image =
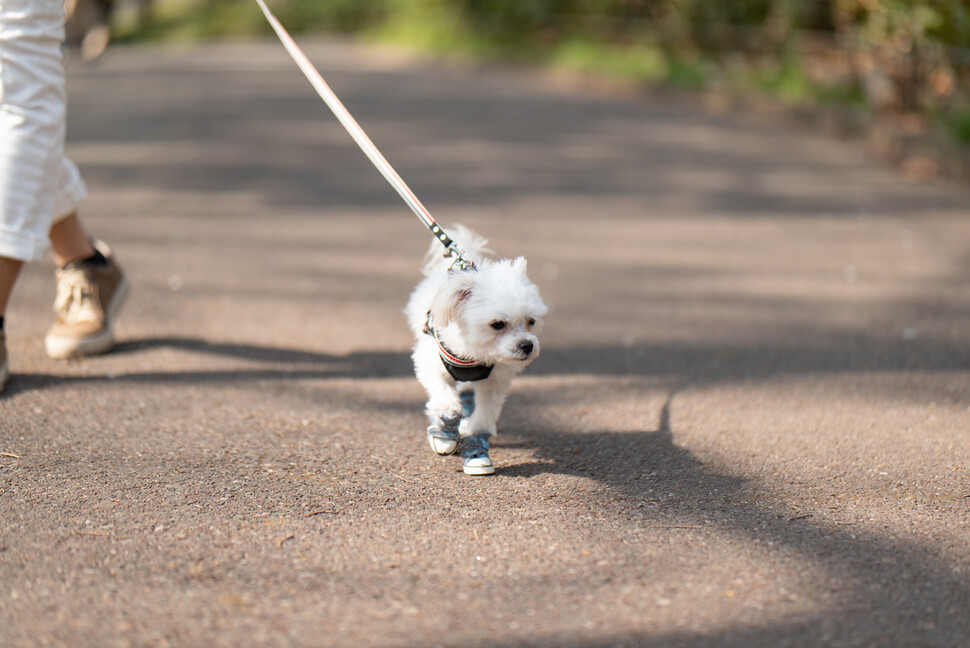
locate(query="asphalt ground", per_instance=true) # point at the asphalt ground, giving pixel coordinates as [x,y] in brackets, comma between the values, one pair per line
[749,425]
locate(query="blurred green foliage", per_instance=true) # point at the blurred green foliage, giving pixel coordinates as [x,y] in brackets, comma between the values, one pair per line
[699,24]
[892,55]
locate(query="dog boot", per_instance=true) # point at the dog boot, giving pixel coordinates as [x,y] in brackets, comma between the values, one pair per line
[474,450]
[443,434]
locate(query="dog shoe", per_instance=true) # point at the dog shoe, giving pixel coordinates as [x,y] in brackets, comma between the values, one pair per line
[443,435]
[474,450]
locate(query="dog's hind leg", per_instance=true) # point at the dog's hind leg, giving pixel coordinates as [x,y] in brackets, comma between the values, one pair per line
[488,400]
[467,398]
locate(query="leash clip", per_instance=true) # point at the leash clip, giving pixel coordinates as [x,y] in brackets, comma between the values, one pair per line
[461,264]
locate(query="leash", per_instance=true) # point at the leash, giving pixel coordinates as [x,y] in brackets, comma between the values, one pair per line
[366,145]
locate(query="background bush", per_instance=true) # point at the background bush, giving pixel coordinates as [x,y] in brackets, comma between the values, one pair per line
[909,56]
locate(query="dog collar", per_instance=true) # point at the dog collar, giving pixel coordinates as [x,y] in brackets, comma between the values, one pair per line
[459,368]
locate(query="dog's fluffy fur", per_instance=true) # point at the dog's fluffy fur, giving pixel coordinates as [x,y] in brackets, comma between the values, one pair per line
[492,315]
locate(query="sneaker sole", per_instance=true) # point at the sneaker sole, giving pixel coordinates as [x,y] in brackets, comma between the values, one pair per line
[454,448]
[478,470]
[60,348]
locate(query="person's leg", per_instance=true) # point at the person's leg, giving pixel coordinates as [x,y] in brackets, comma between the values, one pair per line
[32,126]
[69,241]
[9,269]
[91,288]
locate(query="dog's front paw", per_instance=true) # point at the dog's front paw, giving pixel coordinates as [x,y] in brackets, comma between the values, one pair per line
[474,451]
[443,434]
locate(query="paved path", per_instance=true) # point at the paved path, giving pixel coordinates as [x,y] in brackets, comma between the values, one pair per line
[750,425]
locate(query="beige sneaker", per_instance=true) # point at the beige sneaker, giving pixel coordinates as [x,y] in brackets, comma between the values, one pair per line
[4,361]
[89,297]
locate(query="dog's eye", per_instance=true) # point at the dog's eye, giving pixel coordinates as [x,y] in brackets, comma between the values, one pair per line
[498,325]
[531,321]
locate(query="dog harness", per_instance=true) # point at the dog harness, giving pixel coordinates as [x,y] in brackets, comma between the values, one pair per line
[459,368]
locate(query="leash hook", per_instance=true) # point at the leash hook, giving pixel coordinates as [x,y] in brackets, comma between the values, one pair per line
[461,263]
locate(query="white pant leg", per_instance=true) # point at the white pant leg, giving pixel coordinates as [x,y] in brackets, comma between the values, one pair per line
[37,181]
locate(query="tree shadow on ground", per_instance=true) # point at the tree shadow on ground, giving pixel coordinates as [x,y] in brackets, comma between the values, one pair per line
[891,592]
[271,364]
[699,363]
[458,138]
[895,592]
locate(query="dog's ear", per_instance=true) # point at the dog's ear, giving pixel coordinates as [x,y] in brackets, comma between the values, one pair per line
[447,304]
[519,264]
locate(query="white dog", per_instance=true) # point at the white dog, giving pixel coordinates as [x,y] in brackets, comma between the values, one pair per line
[474,330]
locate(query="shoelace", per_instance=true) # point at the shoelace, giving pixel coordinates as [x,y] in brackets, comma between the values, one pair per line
[76,297]
[474,446]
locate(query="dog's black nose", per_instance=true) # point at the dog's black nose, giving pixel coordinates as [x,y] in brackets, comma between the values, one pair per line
[526,347]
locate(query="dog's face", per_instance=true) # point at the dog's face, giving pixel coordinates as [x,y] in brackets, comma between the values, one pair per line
[497,312]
